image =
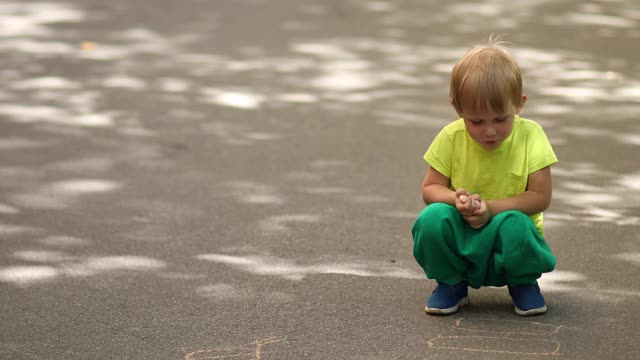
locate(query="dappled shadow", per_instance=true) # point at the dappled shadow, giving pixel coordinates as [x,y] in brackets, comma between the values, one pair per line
[178,142]
[383,71]
[57,263]
[292,270]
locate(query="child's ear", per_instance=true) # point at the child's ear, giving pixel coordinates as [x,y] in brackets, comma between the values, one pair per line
[524,100]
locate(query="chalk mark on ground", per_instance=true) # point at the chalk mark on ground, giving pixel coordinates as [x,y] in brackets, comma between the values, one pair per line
[487,344]
[250,351]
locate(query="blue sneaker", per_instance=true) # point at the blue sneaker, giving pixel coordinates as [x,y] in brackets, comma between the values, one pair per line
[527,300]
[447,299]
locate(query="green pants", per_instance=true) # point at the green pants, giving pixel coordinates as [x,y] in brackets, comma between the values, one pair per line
[509,250]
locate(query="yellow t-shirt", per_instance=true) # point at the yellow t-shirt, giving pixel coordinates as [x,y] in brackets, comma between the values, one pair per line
[494,174]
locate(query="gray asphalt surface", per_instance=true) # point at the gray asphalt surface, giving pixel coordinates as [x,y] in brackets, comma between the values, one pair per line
[237,179]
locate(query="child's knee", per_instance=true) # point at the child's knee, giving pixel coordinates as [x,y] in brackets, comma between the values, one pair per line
[432,221]
[516,226]
[518,233]
[434,215]
[514,218]
[433,231]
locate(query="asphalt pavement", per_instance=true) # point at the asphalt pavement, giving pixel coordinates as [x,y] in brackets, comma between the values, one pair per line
[237,179]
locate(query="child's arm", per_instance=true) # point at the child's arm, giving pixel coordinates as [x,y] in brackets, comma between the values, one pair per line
[535,199]
[435,189]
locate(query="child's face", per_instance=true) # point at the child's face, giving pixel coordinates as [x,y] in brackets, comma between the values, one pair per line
[489,129]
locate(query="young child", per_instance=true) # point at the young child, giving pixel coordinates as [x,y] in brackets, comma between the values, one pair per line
[488,182]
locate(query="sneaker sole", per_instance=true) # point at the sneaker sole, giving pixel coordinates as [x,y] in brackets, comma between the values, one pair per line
[436,311]
[531,312]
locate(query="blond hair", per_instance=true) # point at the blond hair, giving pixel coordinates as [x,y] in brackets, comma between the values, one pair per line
[487,78]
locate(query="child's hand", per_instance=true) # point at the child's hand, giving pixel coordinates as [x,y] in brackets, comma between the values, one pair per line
[465,204]
[480,216]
